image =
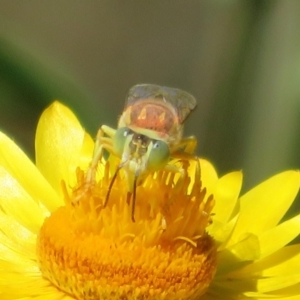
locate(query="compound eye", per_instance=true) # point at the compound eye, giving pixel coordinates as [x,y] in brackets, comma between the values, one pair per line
[119,140]
[159,155]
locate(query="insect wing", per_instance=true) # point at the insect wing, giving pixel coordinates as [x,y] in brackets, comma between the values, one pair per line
[182,101]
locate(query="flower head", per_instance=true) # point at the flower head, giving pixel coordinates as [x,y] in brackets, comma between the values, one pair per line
[193,238]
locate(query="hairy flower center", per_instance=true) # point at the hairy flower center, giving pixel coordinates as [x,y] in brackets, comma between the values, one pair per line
[99,253]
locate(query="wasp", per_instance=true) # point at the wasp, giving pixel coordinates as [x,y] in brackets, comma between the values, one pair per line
[148,137]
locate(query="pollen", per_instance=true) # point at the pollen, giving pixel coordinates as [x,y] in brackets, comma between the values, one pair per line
[91,252]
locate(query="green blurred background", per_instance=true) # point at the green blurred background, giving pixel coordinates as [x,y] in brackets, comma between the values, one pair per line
[240,59]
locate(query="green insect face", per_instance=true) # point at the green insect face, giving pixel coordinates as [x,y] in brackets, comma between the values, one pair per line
[158,156]
[119,140]
[148,154]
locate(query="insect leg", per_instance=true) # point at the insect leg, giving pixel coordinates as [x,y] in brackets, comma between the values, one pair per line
[186,145]
[185,151]
[102,142]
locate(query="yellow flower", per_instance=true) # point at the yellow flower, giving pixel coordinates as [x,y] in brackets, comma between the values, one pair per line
[192,239]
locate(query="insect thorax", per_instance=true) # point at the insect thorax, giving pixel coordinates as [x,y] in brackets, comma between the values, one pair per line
[153,118]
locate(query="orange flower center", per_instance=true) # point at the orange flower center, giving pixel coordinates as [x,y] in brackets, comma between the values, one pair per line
[92,252]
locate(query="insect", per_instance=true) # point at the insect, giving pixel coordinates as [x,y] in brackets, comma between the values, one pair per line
[149,136]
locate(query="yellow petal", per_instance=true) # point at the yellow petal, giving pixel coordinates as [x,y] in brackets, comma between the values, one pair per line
[16,202]
[16,237]
[16,262]
[260,296]
[221,232]
[246,249]
[60,140]
[234,258]
[276,283]
[286,261]
[209,175]
[226,193]
[13,159]
[279,236]
[86,152]
[28,287]
[264,206]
